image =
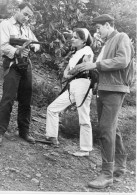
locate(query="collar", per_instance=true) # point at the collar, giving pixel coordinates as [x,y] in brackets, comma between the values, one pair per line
[111,35]
[13,21]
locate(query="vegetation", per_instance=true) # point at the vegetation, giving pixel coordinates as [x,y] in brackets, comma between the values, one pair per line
[54,17]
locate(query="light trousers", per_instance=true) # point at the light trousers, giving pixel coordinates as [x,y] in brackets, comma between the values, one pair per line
[78,89]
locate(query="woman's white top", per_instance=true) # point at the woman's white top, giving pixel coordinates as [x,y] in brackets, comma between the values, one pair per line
[78,55]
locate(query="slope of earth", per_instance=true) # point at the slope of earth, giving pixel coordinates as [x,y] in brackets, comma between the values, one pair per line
[40,167]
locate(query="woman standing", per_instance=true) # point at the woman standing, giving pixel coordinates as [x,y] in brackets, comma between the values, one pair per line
[78,88]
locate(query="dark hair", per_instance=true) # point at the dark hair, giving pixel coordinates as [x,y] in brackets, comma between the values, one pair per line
[23,5]
[81,34]
[112,23]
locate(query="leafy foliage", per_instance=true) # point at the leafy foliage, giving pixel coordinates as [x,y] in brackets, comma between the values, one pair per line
[59,16]
[54,17]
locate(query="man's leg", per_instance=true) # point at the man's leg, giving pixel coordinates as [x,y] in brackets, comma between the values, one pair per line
[112,102]
[99,113]
[24,105]
[120,155]
[10,87]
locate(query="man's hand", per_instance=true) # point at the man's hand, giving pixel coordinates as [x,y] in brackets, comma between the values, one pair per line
[22,51]
[86,66]
[25,53]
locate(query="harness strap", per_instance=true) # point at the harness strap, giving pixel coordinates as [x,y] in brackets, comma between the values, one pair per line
[86,94]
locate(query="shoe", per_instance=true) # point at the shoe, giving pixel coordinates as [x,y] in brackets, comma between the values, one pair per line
[1,139]
[52,140]
[118,172]
[120,165]
[101,182]
[28,138]
[81,153]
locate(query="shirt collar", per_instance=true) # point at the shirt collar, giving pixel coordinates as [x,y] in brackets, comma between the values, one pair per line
[112,35]
[13,21]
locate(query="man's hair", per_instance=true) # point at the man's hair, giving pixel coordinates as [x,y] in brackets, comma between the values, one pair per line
[23,5]
[112,23]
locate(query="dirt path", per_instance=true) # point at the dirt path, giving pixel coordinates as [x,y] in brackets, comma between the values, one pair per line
[39,167]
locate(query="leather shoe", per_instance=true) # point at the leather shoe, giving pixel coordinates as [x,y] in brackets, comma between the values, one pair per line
[81,153]
[1,138]
[101,182]
[28,138]
[118,172]
[52,140]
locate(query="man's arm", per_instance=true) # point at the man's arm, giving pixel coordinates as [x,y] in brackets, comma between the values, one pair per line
[85,66]
[121,59]
[5,47]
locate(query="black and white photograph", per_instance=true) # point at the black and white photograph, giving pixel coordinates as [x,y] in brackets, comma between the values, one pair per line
[68,97]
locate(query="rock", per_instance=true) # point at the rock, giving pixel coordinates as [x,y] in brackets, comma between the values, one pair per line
[38,175]
[93,166]
[132,188]
[34,180]
[117,180]
[132,172]
[45,147]
[14,170]
[54,153]
[127,188]
[27,175]
[85,189]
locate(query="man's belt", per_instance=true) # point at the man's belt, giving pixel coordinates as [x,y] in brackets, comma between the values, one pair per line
[21,65]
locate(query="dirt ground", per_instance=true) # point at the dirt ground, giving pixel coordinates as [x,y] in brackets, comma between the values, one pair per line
[44,168]
[40,167]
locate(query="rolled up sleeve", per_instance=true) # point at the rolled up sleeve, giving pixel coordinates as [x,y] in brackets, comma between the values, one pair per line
[6,48]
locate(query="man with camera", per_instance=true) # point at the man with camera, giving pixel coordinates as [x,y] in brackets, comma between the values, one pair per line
[17,83]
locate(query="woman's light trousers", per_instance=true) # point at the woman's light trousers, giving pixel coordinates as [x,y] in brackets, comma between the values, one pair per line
[78,89]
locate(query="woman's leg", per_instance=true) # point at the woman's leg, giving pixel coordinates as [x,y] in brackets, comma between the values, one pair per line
[86,140]
[53,110]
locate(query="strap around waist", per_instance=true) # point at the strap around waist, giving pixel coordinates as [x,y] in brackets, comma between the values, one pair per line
[82,75]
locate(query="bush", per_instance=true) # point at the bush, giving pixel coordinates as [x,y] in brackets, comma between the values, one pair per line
[130,98]
[69,122]
[43,92]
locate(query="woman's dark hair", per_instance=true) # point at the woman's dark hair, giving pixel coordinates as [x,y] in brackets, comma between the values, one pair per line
[23,5]
[81,34]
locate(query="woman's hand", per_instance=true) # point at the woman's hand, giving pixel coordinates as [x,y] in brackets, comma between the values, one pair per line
[74,71]
[67,75]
